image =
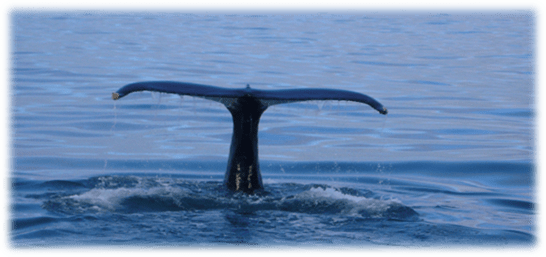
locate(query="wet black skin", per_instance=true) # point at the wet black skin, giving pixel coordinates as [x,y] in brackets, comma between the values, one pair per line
[243,169]
[246,107]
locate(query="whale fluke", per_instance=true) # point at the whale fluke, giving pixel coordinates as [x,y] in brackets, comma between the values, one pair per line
[246,107]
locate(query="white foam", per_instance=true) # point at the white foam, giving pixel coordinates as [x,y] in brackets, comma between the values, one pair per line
[332,193]
[355,205]
[110,199]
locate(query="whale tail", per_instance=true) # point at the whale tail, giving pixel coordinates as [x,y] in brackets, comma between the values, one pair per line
[246,107]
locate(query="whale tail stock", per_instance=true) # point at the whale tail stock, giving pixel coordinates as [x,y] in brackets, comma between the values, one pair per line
[246,107]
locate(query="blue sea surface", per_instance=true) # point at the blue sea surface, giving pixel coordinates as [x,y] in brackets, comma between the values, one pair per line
[452,164]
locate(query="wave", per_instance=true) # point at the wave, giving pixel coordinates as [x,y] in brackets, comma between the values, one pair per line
[130,194]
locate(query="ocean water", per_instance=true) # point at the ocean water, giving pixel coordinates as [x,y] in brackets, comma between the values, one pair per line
[452,164]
